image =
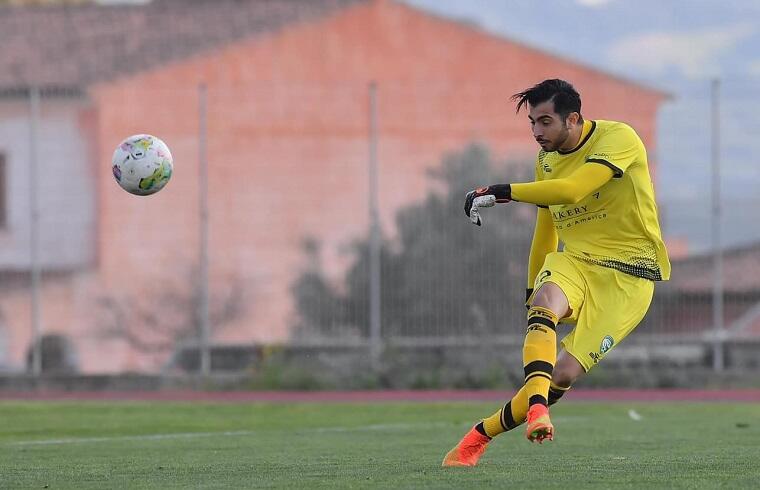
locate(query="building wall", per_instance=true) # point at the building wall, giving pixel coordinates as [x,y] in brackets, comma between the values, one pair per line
[65,186]
[287,145]
[66,191]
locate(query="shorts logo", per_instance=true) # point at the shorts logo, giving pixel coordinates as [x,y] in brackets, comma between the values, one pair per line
[607,343]
[543,276]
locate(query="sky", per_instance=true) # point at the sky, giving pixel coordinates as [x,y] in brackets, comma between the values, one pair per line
[678,46]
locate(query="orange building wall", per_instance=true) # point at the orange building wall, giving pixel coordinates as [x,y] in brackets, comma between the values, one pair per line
[287,127]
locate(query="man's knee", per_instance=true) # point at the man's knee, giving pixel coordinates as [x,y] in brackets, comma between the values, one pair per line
[552,297]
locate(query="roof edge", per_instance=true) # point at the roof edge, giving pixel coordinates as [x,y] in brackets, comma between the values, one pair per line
[47,91]
[748,248]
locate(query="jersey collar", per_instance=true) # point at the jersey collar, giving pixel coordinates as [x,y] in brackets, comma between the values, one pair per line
[588,130]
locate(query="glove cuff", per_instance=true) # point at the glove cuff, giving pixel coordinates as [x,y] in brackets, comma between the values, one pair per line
[503,192]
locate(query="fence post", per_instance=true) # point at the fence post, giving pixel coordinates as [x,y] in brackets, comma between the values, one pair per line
[717,247]
[34,232]
[375,334]
[203,306]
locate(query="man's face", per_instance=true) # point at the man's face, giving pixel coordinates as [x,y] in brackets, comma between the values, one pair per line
[549,129]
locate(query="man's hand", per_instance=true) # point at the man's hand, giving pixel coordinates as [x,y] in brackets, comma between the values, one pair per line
[485,197]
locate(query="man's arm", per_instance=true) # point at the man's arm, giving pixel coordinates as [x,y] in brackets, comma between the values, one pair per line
[545,241]
[568,190]
[610,157]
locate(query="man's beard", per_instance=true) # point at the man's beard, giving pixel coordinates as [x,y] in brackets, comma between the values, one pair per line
[561,139]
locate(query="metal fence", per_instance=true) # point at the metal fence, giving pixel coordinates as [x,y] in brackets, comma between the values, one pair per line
[308,214]
[314,229]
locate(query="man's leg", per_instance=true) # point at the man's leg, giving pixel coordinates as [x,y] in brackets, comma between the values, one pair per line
[539,357]
[566,372]
[473,445]
[548,303]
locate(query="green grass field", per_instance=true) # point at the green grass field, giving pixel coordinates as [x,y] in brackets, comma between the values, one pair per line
[386,445]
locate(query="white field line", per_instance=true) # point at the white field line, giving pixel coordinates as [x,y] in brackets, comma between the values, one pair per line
[242,433]
[143,437]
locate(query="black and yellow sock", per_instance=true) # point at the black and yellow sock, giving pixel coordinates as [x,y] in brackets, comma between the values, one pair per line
[514,412]
[539,357]
[556,392]
[539,353]
[507,417]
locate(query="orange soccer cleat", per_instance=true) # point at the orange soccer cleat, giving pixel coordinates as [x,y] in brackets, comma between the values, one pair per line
[468,451]
[539,425]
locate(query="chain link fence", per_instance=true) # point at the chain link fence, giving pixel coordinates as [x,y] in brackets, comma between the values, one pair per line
[333,227]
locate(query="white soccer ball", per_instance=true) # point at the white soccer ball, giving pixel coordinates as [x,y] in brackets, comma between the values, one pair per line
[142,164]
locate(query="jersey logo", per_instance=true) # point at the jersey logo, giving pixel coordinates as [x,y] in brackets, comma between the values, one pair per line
[601,156]
[543,163]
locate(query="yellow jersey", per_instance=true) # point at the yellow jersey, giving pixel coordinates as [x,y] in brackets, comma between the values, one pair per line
[615,226]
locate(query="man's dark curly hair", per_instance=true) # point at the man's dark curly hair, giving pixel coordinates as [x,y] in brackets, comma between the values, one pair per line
[566,99]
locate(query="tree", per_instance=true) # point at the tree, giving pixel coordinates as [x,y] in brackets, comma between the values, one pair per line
[161,320]
[441,275]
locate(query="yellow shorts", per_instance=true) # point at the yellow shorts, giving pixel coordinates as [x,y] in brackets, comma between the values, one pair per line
[606,304]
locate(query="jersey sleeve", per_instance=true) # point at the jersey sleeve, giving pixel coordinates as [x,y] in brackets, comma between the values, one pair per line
[566,190]
[617,149]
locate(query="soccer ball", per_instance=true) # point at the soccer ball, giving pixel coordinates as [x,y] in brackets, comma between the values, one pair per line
[142,164]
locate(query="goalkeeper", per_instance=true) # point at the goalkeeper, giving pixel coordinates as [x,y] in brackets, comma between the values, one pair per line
[594,194]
